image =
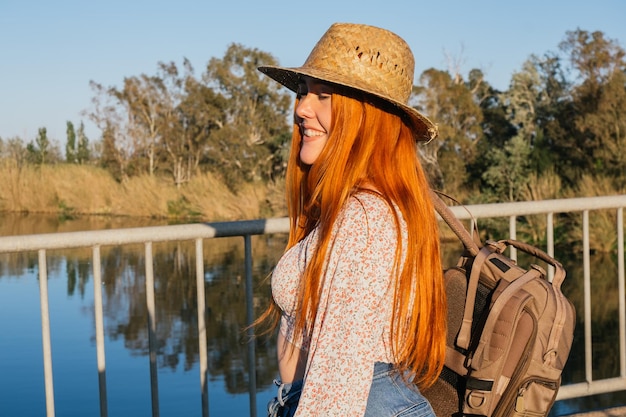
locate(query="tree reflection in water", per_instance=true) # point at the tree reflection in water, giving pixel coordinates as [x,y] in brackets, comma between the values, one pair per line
[126,313]
[125,307]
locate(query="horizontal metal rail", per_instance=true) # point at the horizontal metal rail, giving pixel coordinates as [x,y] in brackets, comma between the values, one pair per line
[126,236]
[200,231]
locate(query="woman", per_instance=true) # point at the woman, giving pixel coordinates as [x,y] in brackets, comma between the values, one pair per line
[358,295]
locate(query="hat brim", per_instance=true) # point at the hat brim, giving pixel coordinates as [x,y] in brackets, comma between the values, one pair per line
[425,130]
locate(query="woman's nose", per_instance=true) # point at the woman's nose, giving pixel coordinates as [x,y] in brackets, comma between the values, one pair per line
[303,110]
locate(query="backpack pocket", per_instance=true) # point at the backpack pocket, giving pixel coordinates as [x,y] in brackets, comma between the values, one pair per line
[534,398]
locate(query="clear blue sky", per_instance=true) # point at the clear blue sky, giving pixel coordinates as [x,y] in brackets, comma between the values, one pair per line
[50,50]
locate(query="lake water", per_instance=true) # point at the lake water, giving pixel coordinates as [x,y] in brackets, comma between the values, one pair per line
[70,289]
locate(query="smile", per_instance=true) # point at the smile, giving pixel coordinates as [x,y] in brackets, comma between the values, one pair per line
[312,133]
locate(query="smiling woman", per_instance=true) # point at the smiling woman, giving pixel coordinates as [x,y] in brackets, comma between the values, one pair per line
[359,328]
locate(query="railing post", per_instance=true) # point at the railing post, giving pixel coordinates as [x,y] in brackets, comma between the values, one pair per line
[587,298]
[97,307]
[154,381]
[202,340]
[550,242]
[250,331]
[513,235]
[621,291]
[45,333]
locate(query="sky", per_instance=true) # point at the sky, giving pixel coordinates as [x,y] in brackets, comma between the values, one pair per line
[51,50]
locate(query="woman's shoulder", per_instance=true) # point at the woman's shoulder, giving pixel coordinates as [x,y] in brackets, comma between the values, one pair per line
[368,207]
[368,202]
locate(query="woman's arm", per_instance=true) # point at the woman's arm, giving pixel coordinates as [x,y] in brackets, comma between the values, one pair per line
[291,360]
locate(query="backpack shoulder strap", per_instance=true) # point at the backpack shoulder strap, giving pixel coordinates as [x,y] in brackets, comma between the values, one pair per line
[480,255]
[455,224]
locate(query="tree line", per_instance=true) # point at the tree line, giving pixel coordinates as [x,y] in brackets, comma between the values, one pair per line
[562,118]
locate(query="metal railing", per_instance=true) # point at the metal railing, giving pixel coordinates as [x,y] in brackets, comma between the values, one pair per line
[198,232]
[146,235]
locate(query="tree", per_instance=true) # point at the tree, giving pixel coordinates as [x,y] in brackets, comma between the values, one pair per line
[14,156]
[523,102]
[551,115]
[256,115]
[163,119]
[509,169]
[608,124]
[495,125]
[149,104]
[597,102]
[118,145]
[135,117]
[451,103]
[535,105]
[575,134]
[39,150]
[199,112]
[14,152]
[70,146]
[593,56]
[82,152]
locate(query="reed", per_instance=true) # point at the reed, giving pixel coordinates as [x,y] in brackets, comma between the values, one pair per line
[68,190]
[602,236]
[540,187]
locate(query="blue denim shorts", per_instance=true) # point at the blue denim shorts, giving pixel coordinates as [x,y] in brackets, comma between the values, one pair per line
[389,396]
[286,400]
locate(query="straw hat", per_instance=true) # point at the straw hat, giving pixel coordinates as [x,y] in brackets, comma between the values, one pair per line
[366,58]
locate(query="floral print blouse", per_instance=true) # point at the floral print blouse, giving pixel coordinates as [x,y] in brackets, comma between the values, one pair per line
[352,326]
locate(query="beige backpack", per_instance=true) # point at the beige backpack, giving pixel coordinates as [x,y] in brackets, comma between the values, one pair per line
[510,331]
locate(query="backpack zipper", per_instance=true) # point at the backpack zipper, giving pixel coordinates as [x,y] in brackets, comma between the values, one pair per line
[506,401]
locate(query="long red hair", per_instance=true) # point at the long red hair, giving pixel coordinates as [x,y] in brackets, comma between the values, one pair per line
[371,148]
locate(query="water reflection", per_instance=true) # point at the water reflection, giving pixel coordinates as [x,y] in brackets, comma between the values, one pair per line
[126,314]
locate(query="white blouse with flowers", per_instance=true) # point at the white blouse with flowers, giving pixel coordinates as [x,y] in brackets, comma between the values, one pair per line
[352,326]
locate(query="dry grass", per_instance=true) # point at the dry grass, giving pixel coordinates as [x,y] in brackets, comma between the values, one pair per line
[602,234]
[545,187]
[75,189]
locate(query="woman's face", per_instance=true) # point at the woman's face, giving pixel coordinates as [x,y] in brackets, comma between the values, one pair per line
[313,115]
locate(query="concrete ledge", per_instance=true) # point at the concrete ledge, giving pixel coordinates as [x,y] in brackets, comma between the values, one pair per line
[609,412]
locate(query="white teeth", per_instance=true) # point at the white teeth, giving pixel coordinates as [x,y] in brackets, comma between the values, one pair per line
[310,132]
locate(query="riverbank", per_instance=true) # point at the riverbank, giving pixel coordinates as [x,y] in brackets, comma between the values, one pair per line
[69,190]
